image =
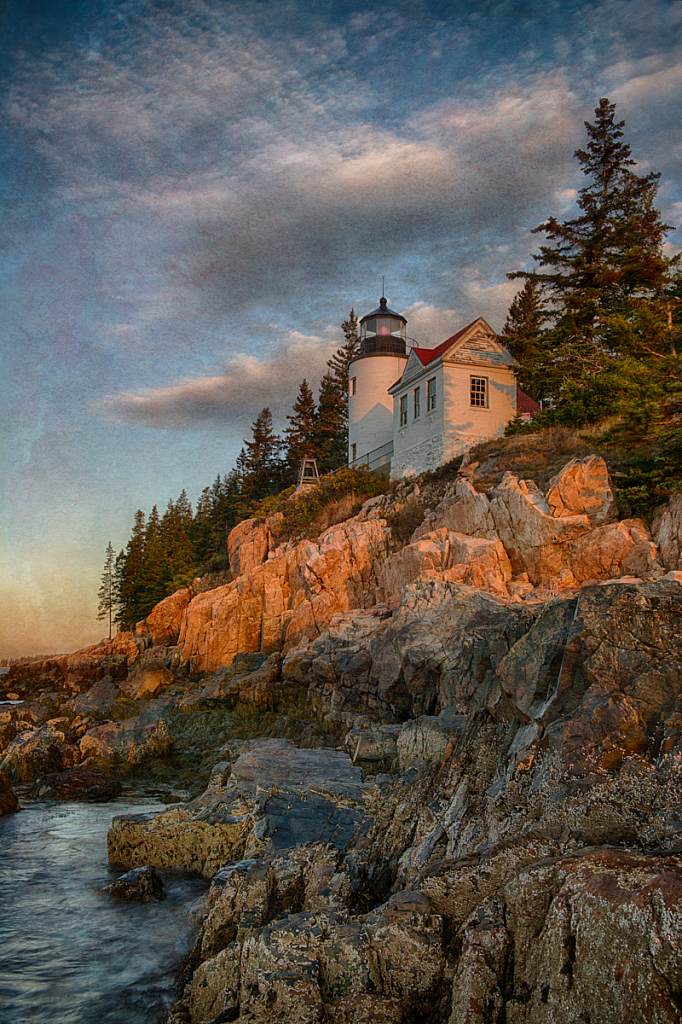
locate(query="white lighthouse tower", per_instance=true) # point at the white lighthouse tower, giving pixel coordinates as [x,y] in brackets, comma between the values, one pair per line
[380,364]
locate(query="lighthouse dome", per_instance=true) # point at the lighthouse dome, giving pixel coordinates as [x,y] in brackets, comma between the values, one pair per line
[382,331]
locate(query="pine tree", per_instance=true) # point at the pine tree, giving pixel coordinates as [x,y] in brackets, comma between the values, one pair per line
[107,590]
[299,436]
[331,432]
[338,364]
[604,277]
[262,468]
[522,334]
[132,564]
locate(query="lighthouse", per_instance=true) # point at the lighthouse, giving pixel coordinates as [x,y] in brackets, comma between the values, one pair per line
[379,365]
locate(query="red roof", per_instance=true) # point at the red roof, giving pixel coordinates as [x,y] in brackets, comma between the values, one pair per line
[524,403]
[427,355]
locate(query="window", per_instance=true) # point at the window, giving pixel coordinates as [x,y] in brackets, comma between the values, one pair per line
[431,394]
[352,385]
[479,392]
[403,411]
[415,394]
[353,450]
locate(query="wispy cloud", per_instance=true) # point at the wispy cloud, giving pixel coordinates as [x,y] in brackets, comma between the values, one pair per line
[234,397]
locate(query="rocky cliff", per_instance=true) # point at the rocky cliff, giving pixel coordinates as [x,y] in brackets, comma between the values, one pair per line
[496,835]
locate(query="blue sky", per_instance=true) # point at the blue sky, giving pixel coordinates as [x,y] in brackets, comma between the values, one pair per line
[195,193]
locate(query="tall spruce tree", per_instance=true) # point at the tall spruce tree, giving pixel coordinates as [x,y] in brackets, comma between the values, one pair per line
[604,276]
[331,431]
[107,592]
[299,436]
[262,466]
[130,573]
[522,334]
[338,364]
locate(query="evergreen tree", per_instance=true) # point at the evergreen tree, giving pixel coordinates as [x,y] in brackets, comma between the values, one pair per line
[131,568]
[107,590]
[338,364]
[604,278]
[260,462]
[331,433]
[522,334]
[153,575]
[300,434]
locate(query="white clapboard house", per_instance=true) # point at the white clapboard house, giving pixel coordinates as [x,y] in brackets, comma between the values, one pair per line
[415,408]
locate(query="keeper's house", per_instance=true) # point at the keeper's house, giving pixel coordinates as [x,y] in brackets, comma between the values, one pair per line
[416,408]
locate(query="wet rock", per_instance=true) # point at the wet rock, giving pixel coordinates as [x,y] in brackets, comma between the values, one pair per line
[97,700]
[134,740]
[78,784]
[8,801]
[38,752]
[276,797]
[140,885]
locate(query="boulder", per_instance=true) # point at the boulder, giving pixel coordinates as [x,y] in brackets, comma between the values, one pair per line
[463,510]
[134,740]
[475,561]
[37,752]
[534,540]
[617,549]
[583,487]
[8,801]
[147,682]
[78,784]
[428,739]
[277,796]
[374,747]
[97,700]
[165,619]
[140,885]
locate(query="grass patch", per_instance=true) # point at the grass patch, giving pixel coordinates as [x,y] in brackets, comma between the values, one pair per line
[339,496]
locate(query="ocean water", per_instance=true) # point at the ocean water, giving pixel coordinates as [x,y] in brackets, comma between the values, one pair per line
[68,953]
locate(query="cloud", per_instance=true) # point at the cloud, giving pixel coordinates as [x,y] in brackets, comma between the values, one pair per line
[235,397]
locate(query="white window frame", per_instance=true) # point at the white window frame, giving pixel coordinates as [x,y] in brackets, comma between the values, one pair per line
[403,410]
[352,385]
[476,392]
[431,394]
[415,403]
[353,453]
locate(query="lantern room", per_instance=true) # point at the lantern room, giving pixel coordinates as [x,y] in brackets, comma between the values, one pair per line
[382,331]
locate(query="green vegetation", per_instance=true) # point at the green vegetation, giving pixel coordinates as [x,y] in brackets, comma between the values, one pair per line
[596,327]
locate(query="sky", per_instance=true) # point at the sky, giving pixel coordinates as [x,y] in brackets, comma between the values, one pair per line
[195,193]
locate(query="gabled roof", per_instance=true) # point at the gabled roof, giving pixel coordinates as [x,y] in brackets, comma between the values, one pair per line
[475,344]
[427,355]
[524,403]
